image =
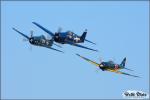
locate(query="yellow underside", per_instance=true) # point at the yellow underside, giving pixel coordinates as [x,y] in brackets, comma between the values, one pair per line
[112,70]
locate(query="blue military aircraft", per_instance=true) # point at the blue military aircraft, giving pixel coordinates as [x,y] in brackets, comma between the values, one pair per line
[67,37]
[39,40]
[110,66]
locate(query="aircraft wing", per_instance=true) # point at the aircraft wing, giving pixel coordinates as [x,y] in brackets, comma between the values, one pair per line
[55,49]
[46,30]
[21,33]
[80,46]
[88,60]
[119,72]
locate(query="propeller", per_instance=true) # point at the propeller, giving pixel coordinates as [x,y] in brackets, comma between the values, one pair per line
[24,40]
[101,60]
[97,70]
[30,47]
[31,33]
[49,37]
[86,30]
[59,29]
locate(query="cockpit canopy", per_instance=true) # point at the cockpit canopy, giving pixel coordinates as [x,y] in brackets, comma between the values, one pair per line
[39,37]
[111,62]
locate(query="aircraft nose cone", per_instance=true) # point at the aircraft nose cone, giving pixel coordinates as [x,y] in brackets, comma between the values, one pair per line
[30,40]
[101,65]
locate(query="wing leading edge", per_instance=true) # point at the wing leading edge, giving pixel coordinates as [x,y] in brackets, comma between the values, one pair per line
[46,30]
[96,64]
[20,33]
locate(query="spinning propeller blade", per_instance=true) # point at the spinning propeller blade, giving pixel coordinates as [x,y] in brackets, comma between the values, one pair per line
[31,33]
[101,60]
[30,47]
[49,37]
[24,39]
[59,29]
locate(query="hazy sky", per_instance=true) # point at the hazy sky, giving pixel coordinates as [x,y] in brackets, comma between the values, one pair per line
[120,29]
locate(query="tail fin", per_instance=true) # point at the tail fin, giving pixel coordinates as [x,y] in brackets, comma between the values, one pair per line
[123,62]
[82,38]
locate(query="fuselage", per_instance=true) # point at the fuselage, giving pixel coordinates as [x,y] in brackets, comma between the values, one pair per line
[65,37]
[40,41]
[110,66]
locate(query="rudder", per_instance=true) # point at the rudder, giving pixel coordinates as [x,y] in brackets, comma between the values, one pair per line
[123,62]
[82,38]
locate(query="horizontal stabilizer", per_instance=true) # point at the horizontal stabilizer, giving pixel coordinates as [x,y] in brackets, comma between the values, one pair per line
[90,41]
[129,69]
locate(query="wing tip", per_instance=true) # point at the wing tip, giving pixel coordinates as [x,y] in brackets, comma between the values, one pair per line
[34,22]
[14,28]
[97,50]
[138,76]
[77,54]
